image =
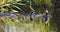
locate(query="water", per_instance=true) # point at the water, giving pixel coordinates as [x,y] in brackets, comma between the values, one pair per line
[17,14]
[9,29]
[17,28]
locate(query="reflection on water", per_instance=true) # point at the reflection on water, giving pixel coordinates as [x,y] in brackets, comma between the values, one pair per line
[26,28]
[23,24]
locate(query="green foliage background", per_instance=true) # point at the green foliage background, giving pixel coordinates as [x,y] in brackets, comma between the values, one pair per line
[26,6]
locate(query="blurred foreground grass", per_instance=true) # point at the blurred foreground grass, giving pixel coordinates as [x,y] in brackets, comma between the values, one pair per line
[37,25]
